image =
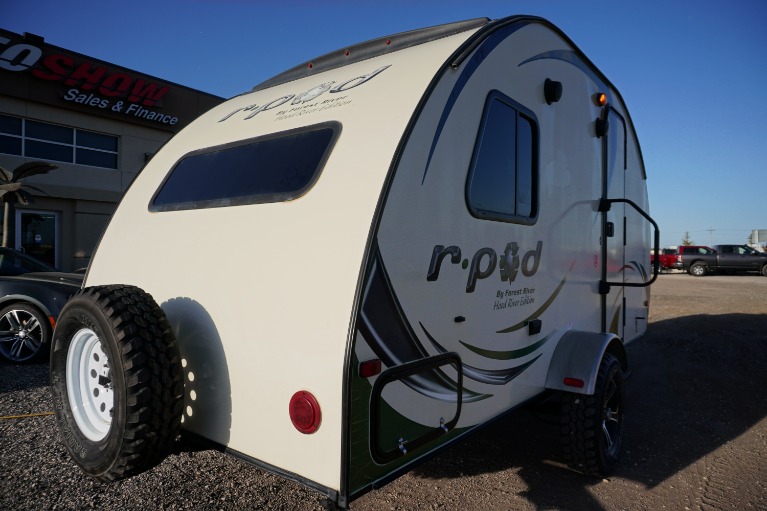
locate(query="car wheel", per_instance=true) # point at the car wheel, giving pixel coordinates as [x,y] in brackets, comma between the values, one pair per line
[116,380]
[592,425]
[698,270]
[25,333]
[764,270]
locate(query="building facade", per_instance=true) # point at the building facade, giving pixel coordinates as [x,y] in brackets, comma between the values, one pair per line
[97,122]
[758,239]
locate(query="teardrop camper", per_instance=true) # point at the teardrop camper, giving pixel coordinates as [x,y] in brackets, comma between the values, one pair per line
[365,259]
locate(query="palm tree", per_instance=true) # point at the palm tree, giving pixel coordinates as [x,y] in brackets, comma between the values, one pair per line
[12,189]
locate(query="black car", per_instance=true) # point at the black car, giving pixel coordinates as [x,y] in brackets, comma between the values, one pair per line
[31,295]
[13,262]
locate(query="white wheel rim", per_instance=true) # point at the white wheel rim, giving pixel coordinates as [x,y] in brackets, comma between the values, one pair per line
[89,385]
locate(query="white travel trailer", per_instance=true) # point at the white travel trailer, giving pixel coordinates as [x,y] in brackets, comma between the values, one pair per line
[365,259]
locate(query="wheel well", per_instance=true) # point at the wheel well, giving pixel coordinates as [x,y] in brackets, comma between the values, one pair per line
[617,349]
[24,301]
[578,356]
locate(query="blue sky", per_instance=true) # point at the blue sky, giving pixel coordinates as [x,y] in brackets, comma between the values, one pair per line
[693,73]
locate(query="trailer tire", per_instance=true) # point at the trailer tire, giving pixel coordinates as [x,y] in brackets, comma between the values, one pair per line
[698,269]
[592,425]
[116,380]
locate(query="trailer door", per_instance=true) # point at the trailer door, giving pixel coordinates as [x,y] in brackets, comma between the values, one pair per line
[612,129]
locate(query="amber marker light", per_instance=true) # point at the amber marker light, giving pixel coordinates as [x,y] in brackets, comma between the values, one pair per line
[600,98]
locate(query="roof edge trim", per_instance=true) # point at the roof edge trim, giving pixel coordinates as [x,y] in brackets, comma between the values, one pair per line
[370,49]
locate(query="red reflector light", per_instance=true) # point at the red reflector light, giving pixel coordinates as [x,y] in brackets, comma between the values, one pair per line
[305,412]
[574,382]
[370,368]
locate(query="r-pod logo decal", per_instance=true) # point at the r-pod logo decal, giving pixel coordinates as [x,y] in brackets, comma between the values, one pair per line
[484,262]
[307,96]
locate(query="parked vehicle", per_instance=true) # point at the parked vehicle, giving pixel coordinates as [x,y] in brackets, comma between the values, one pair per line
[725,258]
[13,262]
[437,227]
[692,251]
[666,258]
[29,306]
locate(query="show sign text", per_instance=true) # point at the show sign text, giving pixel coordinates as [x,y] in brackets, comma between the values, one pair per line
[90,84]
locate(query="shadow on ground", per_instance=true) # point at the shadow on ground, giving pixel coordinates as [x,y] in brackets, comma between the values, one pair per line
[697,383]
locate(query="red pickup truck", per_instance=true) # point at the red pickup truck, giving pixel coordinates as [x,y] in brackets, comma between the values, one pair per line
[666,258]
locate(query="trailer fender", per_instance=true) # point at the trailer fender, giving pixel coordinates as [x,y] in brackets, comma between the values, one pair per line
[575,363]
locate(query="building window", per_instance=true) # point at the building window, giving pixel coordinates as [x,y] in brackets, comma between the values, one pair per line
[10,135]
[275,168]
[35,139]
[503,177]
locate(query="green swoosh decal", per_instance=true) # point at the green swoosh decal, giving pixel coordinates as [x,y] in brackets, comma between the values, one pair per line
[508,355]
[540,311]
[641,269]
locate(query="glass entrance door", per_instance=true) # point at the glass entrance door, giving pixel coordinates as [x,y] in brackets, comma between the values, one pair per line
[37,234]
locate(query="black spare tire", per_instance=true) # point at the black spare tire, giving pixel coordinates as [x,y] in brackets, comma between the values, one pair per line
[116,380]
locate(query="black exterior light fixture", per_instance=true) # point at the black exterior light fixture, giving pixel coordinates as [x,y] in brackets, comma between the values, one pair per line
[552,91]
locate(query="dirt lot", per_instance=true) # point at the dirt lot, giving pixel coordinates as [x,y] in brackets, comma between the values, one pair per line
[696,435]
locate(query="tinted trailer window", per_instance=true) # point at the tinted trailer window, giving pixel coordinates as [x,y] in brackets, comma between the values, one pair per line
[275,168]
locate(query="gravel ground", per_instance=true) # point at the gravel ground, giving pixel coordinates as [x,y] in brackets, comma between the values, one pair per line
[696,435]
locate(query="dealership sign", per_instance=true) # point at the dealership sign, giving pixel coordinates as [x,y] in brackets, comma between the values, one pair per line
[50,74]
